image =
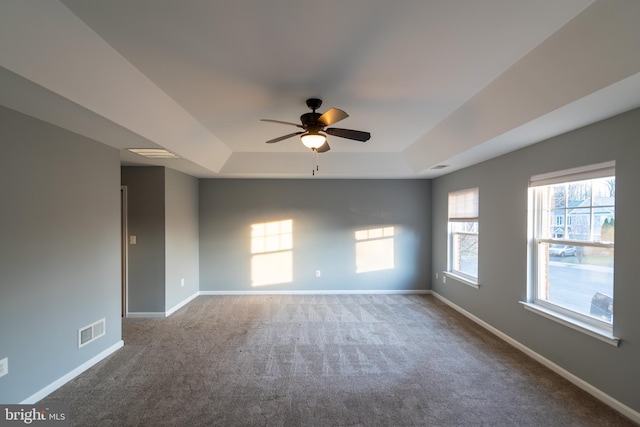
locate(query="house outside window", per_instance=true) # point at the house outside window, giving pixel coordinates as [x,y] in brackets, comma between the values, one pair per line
[463,235]
[572,227]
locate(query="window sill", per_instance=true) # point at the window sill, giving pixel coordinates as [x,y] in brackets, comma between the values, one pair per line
[585,328]
[462,279]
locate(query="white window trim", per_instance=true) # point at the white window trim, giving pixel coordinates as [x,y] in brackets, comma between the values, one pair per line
[460,210]
[457,274]
[573,323]
[549,310]
[467,280]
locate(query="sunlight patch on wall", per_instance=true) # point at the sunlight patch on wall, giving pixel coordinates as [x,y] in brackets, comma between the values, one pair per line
[374,249]
[272,260]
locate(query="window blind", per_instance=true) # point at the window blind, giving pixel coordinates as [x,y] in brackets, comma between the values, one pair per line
[599,170]
[463,205]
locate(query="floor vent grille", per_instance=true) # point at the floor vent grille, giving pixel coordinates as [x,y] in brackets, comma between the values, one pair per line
[91,332]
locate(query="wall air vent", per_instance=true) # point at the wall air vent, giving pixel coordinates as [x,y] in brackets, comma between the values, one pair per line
[91,332]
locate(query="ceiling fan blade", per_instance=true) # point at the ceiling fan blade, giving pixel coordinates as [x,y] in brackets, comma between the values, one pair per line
[324,147]
[271,141]
[349,134]
[331,116]
[281,122]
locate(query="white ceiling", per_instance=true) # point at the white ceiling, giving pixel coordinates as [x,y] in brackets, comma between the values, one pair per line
[435,82]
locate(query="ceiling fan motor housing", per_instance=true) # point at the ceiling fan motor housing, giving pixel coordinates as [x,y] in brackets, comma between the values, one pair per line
[310,121]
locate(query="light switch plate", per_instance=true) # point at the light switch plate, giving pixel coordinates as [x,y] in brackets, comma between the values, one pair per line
[4,367]
[133,240]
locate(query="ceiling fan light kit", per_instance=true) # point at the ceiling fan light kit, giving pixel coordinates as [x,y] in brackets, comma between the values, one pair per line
[313,140]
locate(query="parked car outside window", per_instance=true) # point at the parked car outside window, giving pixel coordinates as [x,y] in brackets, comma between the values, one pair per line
[562,250]
[602,306]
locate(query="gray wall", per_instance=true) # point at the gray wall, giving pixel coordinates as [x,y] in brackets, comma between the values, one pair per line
[146,221]
[503,184]
[325,214]
[162,207]
[182,248]
[59,252]
[60,268]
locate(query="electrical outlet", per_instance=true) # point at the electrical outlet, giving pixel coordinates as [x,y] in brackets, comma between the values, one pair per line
[436,276]
[181,282]
[317,273]
[4,367]
[444,279]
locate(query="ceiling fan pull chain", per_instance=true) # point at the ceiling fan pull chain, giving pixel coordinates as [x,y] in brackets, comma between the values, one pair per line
[313,170]
[314,158]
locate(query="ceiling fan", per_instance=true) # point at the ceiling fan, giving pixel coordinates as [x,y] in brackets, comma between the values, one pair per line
[314,134]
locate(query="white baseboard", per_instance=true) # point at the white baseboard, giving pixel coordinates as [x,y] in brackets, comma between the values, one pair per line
[181,304]
[595,392]
[322,292]
[39,395]
[146,314]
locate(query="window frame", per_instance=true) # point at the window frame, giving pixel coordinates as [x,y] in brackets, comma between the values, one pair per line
[590,325]
[466,213]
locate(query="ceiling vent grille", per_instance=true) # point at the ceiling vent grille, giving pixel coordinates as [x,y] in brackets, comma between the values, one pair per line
[91,332]
[440,167]
[154,153]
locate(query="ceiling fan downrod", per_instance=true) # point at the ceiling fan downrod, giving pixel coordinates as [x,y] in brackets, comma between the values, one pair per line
[314,103]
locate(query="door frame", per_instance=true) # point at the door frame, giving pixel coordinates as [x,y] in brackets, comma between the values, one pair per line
[124,253]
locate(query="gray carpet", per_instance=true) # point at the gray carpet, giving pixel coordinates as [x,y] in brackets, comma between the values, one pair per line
[339,360]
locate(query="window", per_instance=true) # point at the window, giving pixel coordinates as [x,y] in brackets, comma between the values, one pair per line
[463,236]
[272,259]
[572,224]
[374,249]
